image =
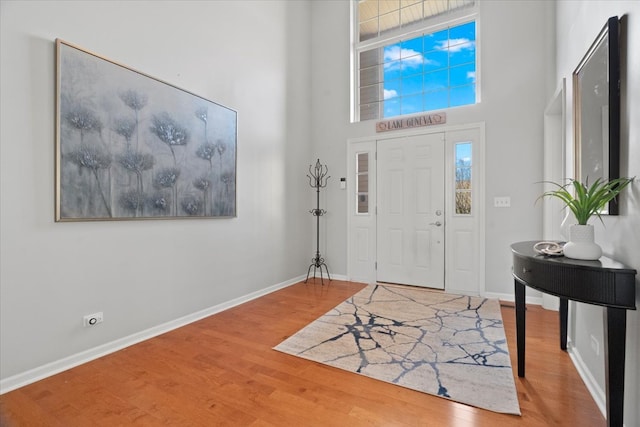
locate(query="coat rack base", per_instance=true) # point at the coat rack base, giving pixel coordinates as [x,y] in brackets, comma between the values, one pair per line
[317,263]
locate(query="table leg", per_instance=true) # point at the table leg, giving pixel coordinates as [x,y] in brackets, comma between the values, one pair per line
[615,337]
[564,310]
[520,324]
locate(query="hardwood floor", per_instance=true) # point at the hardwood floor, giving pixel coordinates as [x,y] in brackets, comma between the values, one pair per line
[222,371]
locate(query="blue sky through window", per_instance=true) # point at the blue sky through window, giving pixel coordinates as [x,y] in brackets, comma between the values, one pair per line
[463,154]
[431,72]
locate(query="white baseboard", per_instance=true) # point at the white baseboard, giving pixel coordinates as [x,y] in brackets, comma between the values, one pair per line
[511,298]
[52,368]
[592,385]
[596,392]
[49,369]
[333,277]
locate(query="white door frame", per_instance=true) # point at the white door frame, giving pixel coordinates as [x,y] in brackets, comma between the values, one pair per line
[554,171]
[463,234]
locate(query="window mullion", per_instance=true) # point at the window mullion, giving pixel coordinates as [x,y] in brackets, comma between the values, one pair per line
[420,78]
[434,24]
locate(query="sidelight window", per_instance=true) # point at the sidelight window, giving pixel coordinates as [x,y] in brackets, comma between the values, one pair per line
[362,183]
[463,179]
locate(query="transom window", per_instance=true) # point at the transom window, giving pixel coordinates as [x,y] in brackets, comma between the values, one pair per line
[414,56]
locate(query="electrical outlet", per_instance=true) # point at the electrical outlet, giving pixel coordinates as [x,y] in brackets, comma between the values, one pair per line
[502,202]
[595,345]
[93,319]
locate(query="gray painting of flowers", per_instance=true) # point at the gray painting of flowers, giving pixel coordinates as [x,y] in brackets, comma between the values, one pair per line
[130,146]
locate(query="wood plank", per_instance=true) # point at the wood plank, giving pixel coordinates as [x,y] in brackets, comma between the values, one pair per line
[222,370]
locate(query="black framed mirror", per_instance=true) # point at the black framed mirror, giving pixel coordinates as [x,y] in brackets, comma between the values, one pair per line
[596,89]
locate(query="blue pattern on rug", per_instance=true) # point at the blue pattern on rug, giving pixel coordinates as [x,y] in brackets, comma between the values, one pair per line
[449,345]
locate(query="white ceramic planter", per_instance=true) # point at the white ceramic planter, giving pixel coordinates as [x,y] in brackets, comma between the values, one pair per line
[581,244]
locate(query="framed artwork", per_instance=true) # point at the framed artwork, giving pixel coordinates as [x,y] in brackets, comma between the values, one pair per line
[130,146]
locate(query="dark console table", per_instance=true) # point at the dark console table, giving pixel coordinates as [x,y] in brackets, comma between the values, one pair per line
[604,282]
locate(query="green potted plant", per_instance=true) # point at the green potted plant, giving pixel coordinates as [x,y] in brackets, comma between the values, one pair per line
[585,202]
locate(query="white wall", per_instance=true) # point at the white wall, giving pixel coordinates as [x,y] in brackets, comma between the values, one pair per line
[251,56]
[514,73]
[578,23]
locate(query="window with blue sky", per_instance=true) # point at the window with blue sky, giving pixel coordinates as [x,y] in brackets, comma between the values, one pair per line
[418,71]
[430,72]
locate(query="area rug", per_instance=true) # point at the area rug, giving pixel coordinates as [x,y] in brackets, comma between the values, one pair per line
[447,345]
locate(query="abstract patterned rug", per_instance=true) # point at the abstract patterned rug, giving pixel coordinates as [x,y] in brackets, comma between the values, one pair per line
[447,345]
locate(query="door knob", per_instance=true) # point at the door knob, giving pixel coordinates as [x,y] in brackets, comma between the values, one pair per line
[437,223]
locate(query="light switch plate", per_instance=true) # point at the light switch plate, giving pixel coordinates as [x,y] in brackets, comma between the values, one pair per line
[502,202]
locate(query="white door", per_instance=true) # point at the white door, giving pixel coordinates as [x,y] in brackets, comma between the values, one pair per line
[410,220]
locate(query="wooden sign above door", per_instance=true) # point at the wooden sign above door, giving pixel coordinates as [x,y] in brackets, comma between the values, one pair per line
[412,122]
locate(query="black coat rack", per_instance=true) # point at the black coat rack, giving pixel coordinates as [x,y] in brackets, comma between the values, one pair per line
[318,179]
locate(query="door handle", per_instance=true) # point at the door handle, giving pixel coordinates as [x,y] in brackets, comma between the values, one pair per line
[437,223]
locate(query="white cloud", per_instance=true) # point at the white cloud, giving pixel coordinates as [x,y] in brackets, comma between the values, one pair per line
[393,53]
[456,45]
[388,94]
[410,58]
[471,75]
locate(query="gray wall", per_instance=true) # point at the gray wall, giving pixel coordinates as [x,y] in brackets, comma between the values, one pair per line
[284,66]
[250,56]
[514,70]
[578,24]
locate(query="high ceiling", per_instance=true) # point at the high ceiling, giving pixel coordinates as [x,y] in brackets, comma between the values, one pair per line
[378,16]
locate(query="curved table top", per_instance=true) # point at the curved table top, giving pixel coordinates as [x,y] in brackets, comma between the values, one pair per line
[525,249]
